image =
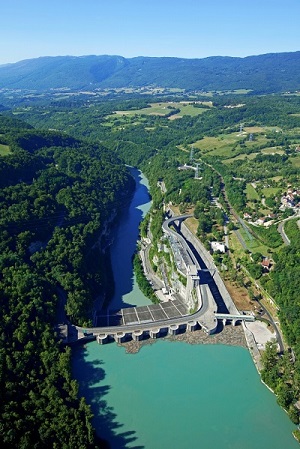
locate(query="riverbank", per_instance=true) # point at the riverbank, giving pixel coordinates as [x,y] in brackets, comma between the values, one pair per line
[230,335]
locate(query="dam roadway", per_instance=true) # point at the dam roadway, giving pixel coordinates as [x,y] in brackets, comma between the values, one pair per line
[170,316]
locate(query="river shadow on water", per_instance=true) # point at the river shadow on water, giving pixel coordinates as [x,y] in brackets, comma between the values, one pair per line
[91,377]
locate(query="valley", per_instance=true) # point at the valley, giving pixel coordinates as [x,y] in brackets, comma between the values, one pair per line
[230,159]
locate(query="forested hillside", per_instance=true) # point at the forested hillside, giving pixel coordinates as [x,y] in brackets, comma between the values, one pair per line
[264,73]
[57,195]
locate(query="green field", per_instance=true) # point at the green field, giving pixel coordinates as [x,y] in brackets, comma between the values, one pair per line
[4,150]
[226,92]
[163,109]
[225,144]
[241,91]
[254,129]
[270,191]
[251,193]
[187,109]
[295,161]
[219,146]
[276,178]
[272,150]
[240,157]
[254,245]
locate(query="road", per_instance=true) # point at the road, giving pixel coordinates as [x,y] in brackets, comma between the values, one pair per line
[277,331]
[285,238]
[280,229]
[155,281]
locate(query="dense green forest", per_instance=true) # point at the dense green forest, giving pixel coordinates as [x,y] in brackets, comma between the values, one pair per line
[57,196]
[283,374]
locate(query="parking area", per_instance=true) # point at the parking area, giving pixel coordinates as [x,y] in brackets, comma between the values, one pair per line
[261,333]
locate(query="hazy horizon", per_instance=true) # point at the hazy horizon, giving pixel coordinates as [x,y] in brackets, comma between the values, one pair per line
[171,28]
[141,56]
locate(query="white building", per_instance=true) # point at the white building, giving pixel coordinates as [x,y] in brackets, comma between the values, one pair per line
[217,246]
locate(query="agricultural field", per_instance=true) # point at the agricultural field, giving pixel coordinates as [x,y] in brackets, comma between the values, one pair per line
[295,161]
[254,129]
[163,109]
[272,150]
[253,245]
[237,244]
[218,146]
[240,91]
[270,191]
[243,145]
[225,144]
[277,178]
[189,109]
[256,198]
[4,150]
[240,157]
[225,92]
[251,193]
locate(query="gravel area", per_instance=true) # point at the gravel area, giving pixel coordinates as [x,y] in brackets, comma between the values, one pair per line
[230,335]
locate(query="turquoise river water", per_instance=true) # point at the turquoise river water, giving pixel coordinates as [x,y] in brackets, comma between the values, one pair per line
[172,394]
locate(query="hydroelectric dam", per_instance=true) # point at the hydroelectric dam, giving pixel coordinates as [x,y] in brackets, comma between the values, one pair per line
[204,292]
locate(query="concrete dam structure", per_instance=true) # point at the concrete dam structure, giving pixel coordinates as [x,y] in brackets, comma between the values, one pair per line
[205,292]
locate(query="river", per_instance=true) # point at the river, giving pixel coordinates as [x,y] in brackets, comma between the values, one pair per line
[127,293]
[172,394]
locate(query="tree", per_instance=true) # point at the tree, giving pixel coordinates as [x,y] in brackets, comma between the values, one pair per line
[269,359]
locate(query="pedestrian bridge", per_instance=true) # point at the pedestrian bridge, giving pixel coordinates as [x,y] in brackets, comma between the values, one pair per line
[234,318]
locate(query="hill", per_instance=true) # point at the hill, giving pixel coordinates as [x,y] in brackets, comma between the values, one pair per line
[274,72]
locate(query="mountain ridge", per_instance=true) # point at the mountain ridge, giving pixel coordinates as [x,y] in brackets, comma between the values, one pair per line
[271,72]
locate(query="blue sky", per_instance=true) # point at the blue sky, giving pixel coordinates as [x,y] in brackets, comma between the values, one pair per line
[183,28]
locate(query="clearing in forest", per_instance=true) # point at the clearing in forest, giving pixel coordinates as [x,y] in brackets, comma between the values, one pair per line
[163,109]
[4,150]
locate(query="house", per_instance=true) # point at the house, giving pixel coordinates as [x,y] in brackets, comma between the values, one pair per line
[268,223]
[217,246]
[260,221]
[266,264]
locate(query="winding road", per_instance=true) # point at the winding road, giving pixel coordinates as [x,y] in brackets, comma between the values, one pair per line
[280,228]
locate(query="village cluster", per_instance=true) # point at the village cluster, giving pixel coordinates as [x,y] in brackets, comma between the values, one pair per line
[289,200]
